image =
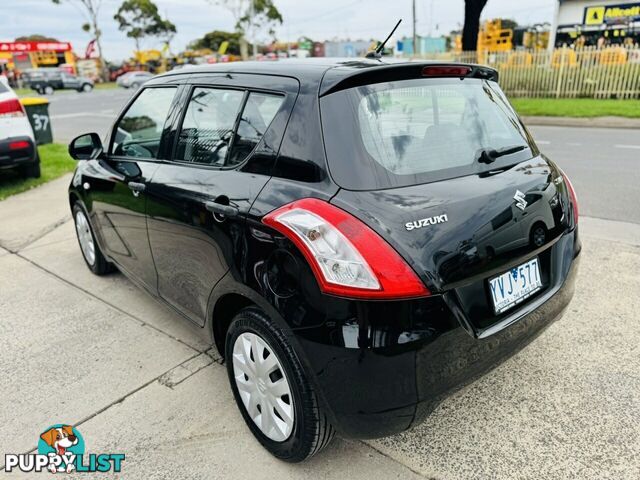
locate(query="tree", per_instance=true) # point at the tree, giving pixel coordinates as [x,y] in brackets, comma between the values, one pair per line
[213,40]
[90,9]
[140,19]
[251,15]
[472,11]
[36,38]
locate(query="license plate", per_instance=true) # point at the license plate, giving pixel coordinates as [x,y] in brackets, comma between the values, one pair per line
[514,286]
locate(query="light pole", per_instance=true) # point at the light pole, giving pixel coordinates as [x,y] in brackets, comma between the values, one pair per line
[252,13]
[415,43]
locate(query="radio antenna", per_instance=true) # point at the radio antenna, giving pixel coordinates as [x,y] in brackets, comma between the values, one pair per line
[377,53]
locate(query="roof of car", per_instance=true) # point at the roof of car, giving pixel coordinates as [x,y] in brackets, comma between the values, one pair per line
[315,69]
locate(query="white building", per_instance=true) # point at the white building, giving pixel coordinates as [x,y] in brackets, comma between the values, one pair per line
[596,21]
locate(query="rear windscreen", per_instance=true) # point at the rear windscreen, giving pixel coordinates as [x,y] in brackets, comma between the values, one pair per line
[417,131]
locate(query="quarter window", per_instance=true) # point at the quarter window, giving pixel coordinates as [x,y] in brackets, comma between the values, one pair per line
[257,114]
[139,131]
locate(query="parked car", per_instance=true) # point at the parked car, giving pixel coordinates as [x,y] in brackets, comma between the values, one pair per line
[316,221]
[133,79]
[17,143]
[48,80]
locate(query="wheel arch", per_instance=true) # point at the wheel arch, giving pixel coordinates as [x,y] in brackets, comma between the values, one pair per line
[226,307]
[230,296]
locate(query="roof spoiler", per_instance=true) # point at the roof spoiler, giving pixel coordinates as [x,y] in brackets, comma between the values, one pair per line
[336,79]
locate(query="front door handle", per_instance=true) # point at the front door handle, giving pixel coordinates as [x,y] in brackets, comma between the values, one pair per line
[220,209]
[136,188]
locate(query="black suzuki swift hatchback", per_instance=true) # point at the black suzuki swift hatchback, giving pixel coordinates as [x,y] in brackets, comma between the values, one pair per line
[358,239]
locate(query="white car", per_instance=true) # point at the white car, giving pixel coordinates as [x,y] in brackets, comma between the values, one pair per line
[133,79]
[17,142]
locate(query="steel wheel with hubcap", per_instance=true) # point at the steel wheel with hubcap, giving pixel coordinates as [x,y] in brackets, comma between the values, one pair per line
[91,253]
[263,386]
[85,238]
[270,386]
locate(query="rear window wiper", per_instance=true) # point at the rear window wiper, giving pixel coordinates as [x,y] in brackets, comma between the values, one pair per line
[489,155]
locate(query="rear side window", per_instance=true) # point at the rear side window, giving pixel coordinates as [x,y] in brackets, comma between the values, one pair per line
[416,131]
[214,133]
[208,125]
[139,131]
[3,88]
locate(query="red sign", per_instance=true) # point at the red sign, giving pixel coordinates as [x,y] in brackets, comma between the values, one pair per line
[90,48]
[35,46]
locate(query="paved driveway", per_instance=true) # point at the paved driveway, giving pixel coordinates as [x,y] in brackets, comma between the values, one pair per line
[102,355]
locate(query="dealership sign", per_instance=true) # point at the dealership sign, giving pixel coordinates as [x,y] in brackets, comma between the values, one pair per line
[35,46]
[598,15]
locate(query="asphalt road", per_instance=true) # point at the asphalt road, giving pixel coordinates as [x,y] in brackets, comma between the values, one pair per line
[74,113]
[603,164]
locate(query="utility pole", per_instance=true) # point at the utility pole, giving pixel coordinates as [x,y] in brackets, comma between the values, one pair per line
[252,14]
[415,43]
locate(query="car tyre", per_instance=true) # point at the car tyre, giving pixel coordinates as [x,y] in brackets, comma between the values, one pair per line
[135,86]
[538,235]
[87,87]
[309,430]
[96,261]
[48,90]
[31,170]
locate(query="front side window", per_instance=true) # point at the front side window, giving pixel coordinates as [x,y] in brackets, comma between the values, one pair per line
[139,131]
[208,125]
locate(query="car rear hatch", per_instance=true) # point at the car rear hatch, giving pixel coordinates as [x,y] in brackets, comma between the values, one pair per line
[442,168]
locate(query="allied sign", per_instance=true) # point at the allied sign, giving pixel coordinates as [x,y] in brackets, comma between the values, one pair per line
[601,14]
[35,46]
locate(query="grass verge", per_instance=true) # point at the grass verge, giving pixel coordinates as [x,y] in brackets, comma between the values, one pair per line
[27,92]
[54,162]
[576,107]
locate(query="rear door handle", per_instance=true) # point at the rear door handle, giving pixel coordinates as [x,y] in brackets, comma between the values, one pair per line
[136,188]
[220,209]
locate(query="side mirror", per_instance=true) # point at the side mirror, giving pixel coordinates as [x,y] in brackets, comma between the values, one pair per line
[86,147]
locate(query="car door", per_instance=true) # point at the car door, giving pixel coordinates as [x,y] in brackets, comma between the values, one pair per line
[117,187]
[70,81]
[226,143]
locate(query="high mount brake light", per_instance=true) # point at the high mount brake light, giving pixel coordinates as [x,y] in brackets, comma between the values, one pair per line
[11,108]
[347,257]
[574,197]
[446,71]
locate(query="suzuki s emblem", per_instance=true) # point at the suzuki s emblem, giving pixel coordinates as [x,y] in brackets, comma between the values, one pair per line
[521,203]
[426,221]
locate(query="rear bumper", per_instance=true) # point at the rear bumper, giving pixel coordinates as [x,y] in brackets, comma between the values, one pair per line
[11,157]
[393,368]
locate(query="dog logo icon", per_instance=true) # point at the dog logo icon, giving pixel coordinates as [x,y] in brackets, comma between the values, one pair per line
[63,441]
[61,449]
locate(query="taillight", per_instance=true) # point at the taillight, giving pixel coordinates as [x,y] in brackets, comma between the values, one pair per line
[19,145]
[574,197]
[348,259]
[11,108]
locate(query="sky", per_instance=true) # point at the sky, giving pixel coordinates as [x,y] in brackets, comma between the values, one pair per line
[318,19]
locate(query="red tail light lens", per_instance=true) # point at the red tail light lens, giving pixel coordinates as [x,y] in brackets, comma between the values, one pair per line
[19,145]
[348,259]
[11,108]
[574,197]
[446,71]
